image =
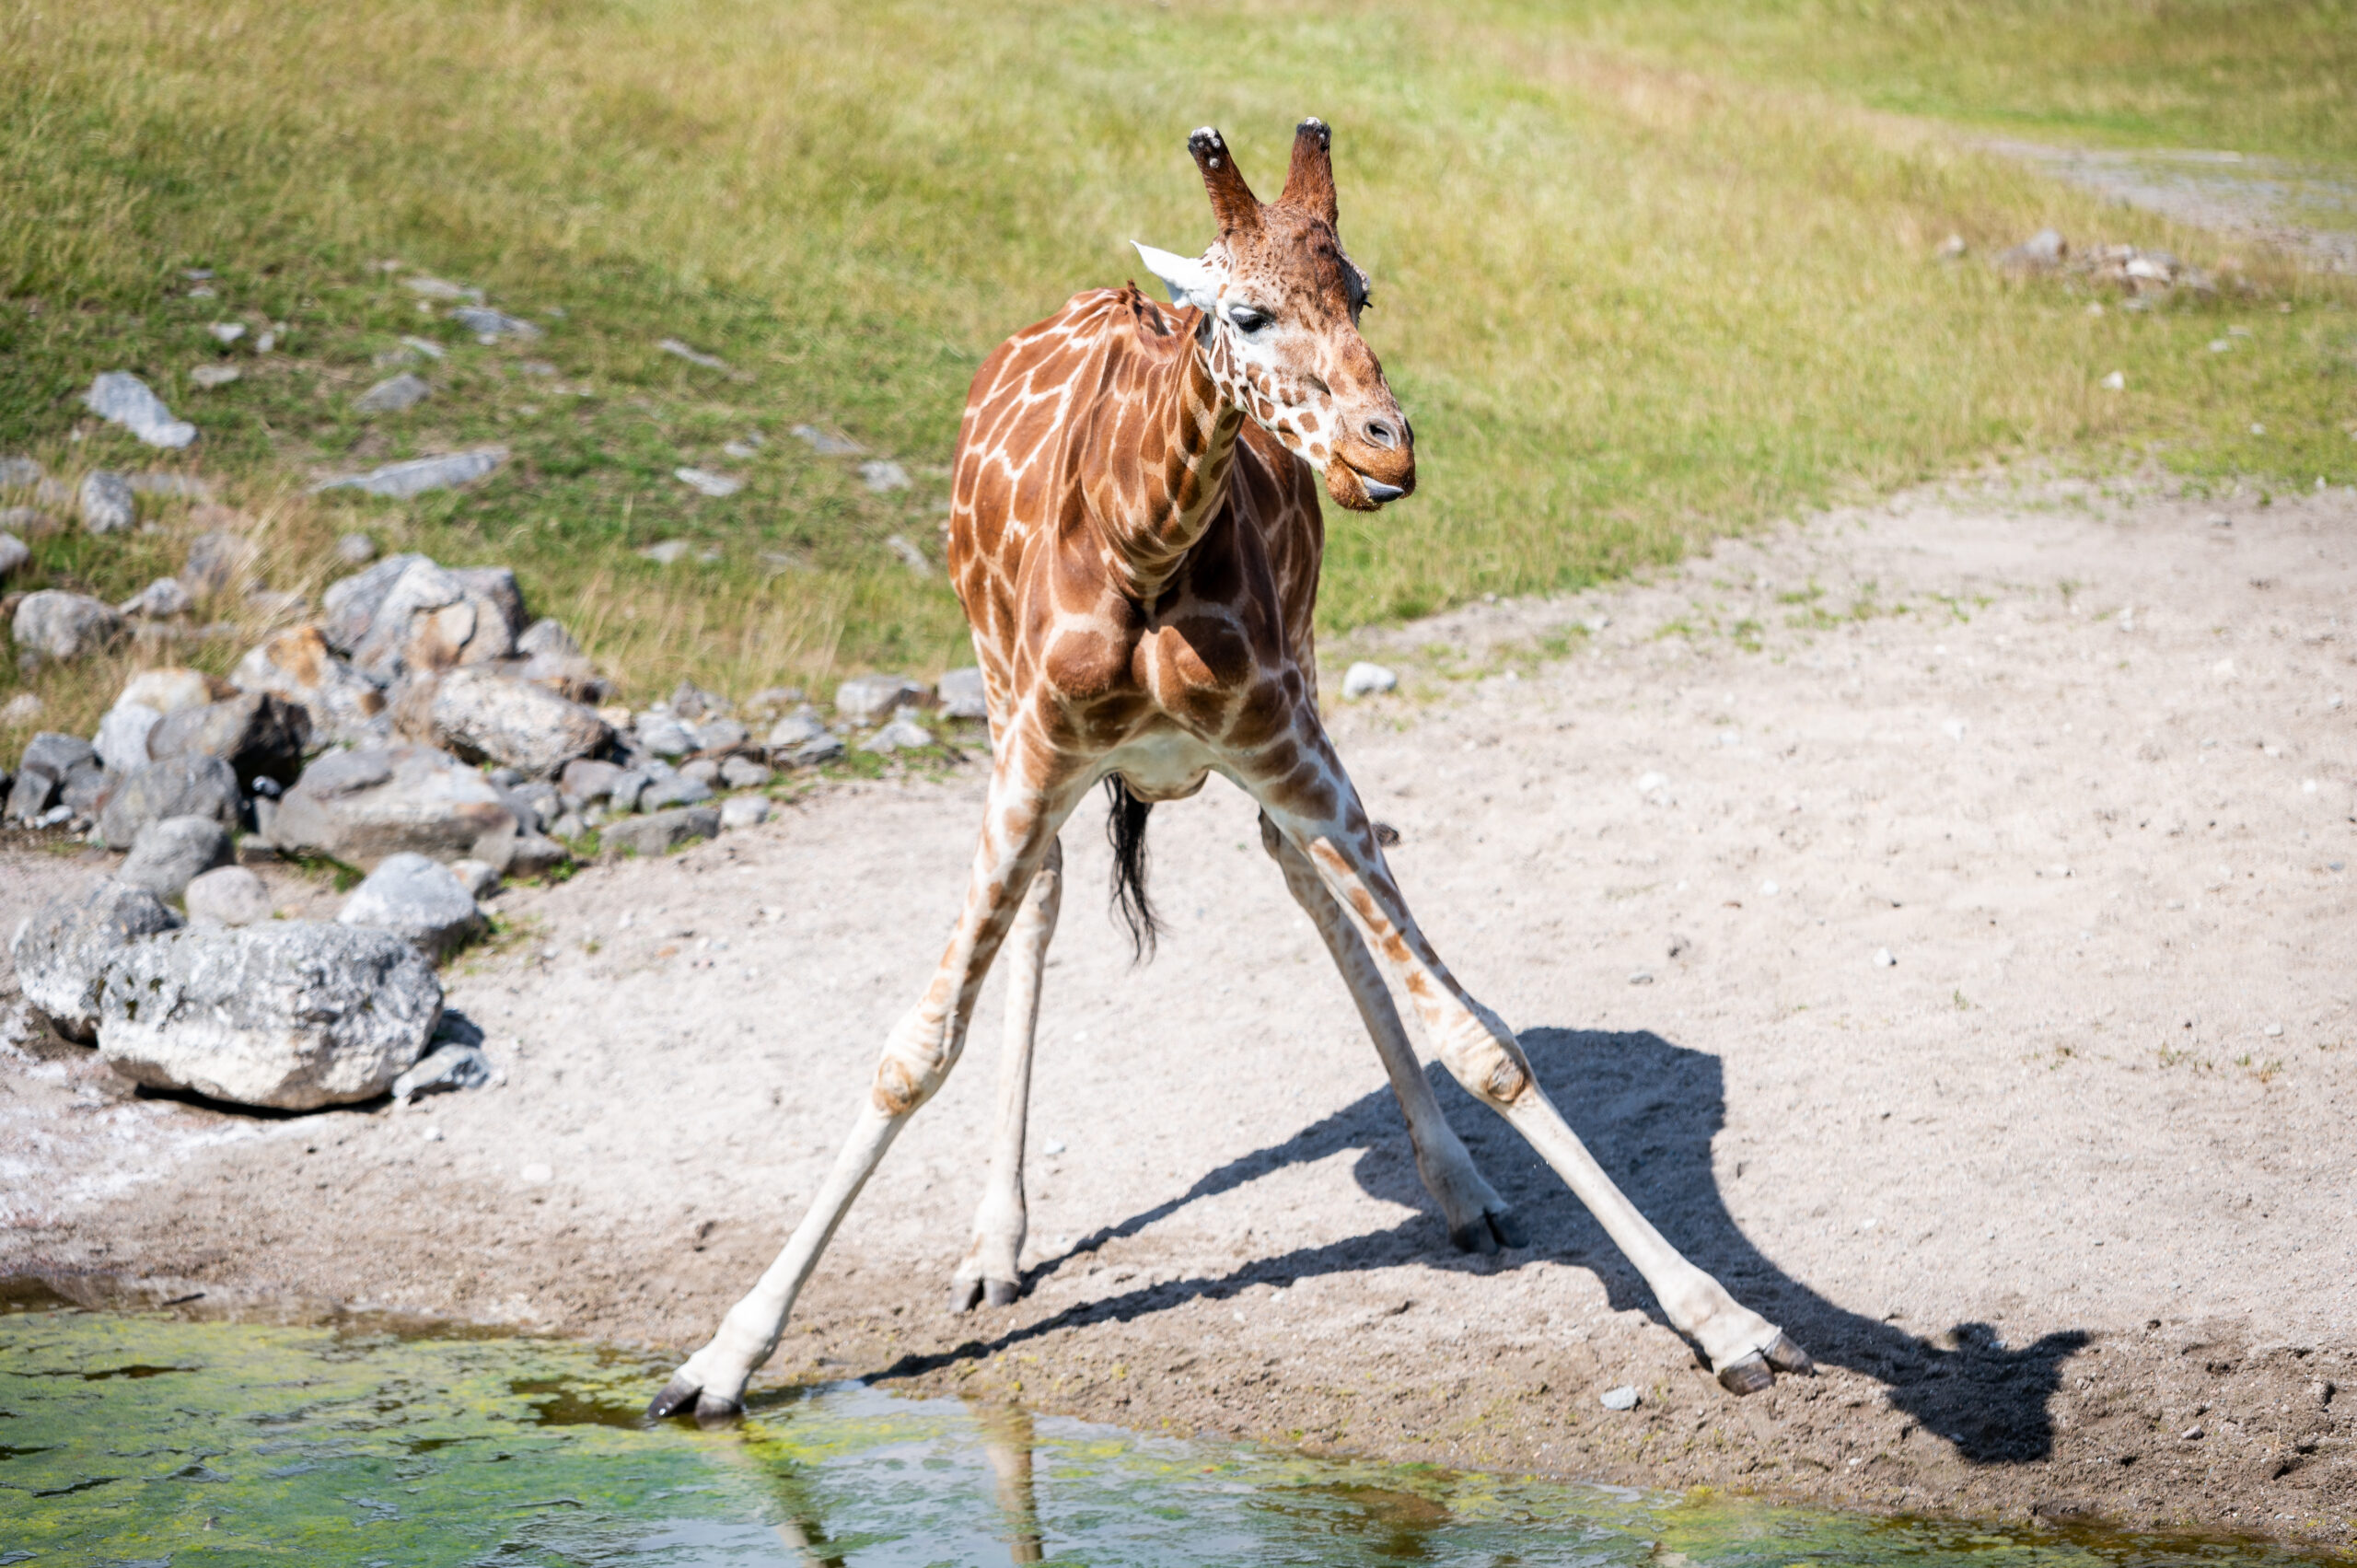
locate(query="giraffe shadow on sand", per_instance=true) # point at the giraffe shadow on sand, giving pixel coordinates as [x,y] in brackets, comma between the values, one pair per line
[1649,1111]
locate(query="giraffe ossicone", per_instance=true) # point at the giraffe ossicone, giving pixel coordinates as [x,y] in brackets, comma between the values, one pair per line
[1136,536]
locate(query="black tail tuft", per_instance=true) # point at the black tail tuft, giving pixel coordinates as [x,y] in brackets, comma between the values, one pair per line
[1125,830]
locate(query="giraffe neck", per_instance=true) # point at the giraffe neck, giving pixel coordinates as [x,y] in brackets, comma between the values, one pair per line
[1163,490]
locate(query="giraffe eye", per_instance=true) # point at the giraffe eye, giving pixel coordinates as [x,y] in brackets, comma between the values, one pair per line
[1247,319]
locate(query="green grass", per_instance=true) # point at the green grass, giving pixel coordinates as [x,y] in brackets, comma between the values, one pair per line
[1642,274]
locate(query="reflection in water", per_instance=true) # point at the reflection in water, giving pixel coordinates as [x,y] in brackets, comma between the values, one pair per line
[127,1438]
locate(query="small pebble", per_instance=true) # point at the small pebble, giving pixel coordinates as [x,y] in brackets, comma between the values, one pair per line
[1769,889]
[432,1134]
[1052,1146]
[1624,1398]
[1883,958]
[535,1174]
[1641,977]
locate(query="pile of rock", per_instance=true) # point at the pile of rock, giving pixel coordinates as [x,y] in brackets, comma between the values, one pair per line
[2138,272]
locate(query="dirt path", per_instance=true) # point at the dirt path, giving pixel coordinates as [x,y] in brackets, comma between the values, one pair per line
[2061,1196]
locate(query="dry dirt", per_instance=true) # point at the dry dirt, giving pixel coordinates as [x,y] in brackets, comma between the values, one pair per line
[2060,1197]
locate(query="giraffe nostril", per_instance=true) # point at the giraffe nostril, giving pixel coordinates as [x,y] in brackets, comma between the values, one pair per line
[1381,434]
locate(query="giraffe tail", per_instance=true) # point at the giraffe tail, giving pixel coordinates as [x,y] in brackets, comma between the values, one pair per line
[1125,831]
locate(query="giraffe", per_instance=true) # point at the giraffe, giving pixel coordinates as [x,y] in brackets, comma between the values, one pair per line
[1135,535]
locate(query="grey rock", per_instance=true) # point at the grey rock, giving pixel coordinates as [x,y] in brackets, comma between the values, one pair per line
[356,548]
[2042,251]
[486,323]
[744,812]
[170,854]
[533,804]
[693,356]
[586,781]
[260,733]
[703,482]
[408,613]
[692,705]
[771,703]
[881,476]
[399,482]
[800,740]
[168,689]
[439,288]
[536,854]
[18,473]
[703,769]
[228,895]
[547,639]
[105,501]
[14,552]
[291,1014]
[177,786]
[720,735]
[213,376]
[480,715]
[910,556]
[420,900]
[219,563]
[448,1068]
[20,710]
[55,755]
[869,699]
[660,832]
[1624,1398]
[622,795]
[365,804]
[342,704]
[159,600]
[1364,679]
[121,739]
[395,394]
[680,789]
[663,736]
[171,486]
[962,694]
[479,878]
[62,952]
[63,626]
[83,790]
[29,522]
[123,398]
[569,826]
[901,735]
[743,772]
[825,444]
[665,552]
[30,795]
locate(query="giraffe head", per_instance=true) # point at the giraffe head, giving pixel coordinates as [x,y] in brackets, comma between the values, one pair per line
[1279,329]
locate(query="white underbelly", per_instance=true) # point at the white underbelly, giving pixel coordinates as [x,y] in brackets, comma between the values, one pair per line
[1166,764]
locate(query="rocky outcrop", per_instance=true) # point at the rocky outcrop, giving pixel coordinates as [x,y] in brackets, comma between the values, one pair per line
[290,1015]
[62,951]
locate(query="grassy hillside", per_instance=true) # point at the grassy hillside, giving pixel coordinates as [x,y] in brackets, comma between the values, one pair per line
[1642,273]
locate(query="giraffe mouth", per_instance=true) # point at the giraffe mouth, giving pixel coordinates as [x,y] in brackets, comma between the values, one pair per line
[1379,492]
[1359,491]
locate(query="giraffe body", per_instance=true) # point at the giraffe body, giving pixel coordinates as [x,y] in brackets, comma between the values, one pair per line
[1135,534]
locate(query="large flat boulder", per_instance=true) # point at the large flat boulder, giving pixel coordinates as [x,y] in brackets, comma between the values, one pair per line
[418,900]
[291,1014]
[486,717]
[260,733]
[177,786]
[58,626]
[63,949]
[362,805]
[343,704]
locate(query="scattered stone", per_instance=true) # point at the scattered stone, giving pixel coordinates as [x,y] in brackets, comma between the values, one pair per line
[703,482]
[261,735]
[356,548]
[275,607]
[159,600]
[170,688]
[962,694]
[122,736]
[663,735]
[63,626]
[479,878]
[568,827]
[693,356]
[177,786]
[448,1068]
[489,325]
[825,444]
[20,710]
[1952,248]
[419,899]
[227,895]
[396,394]
[409,614]
[881,476]
[901,735]
[14,552]
[2041,252]
[2115,382]
[123,398]
[660,832]
[365,804]
[680,789]
[106,502]
[743,772]
[227,332]
[1624,1398]
[536,854]
[18,473]
[82,792]
[627,787]
[62,952]
[1883,958]
[480,716]
[743,811]
[692,702]
[344,705]
[910,556]
[173,851]
[1364,679]
[703,769]
[438,288]
[868,699]
[399,482]
[720,735]
[291,1014]
[211,378]
[29,522]
[665,552]
[219,563]
[586,780]
[800,740]
[1641,977]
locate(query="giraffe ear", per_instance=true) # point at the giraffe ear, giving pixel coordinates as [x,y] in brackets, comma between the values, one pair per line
[1187,279]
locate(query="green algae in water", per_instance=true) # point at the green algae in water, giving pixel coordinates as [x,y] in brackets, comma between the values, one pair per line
[140,1439]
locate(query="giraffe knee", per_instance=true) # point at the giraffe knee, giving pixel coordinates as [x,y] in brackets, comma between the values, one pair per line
[911,1068]
[1488,1062]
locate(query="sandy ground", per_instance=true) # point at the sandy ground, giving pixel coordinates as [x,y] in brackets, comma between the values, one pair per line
[2060,1197]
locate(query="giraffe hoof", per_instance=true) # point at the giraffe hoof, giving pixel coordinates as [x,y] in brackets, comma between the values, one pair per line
[1474,1237]
[1001,1292]
[964,1296]
[1507,1226]
[1748,1375]
[713,1411]
[677,1395]
[1786,1356]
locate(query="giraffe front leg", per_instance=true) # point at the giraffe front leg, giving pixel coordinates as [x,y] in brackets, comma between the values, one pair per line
[993,1270]
[1018,833]
[1322,815]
